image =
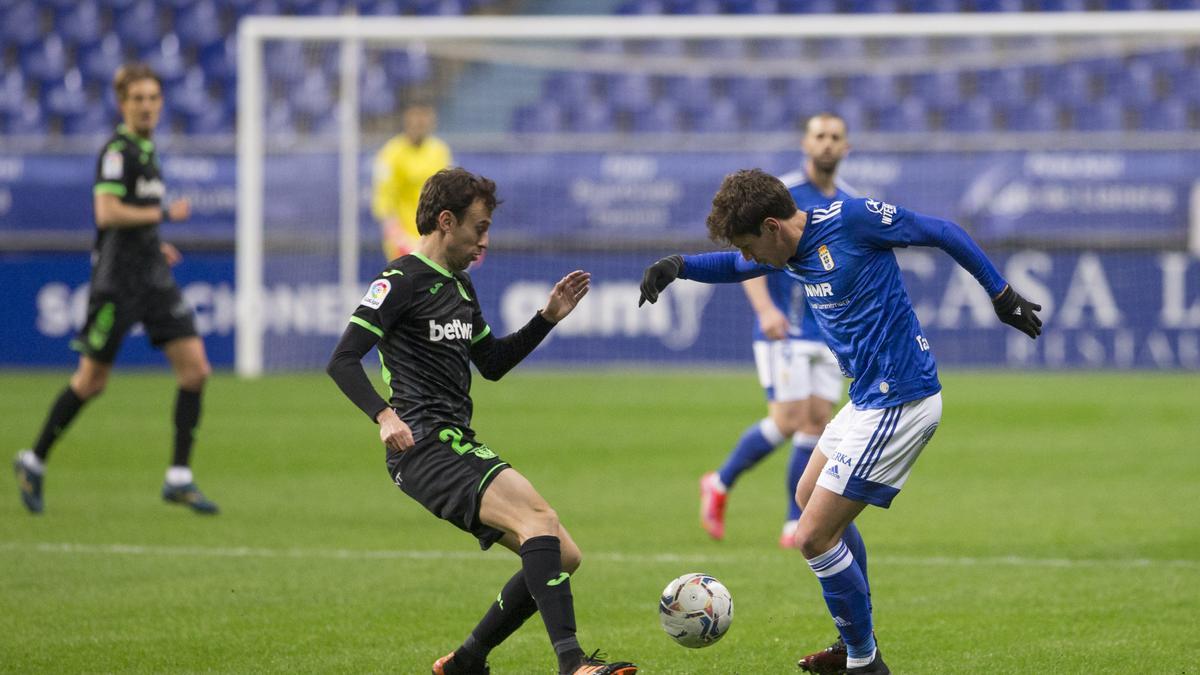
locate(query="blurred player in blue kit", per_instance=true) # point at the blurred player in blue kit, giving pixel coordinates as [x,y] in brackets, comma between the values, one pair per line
[843,255]
[798,373]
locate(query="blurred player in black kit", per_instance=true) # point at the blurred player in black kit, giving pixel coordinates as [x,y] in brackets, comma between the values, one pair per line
[131,283]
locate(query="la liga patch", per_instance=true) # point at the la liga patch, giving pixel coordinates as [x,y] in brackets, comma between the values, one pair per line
[376,293]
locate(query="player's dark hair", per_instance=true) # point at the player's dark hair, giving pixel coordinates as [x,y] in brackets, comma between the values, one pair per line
[747,198]
[129,73]
[452,190]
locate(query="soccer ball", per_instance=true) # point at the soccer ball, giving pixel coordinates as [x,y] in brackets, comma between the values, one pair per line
[695,610]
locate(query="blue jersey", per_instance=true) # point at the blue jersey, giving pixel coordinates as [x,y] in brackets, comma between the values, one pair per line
[788,295]
[852,284]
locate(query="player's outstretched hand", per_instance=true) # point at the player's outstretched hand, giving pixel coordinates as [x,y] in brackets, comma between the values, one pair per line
[172,254]
[394,433]
[180,209]
[1018,312]
[658,276]
[566,295]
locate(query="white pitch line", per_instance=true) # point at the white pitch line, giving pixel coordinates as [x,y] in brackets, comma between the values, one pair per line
[694,558]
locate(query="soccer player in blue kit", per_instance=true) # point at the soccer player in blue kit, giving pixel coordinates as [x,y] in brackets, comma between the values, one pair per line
[798,373]
[843,255]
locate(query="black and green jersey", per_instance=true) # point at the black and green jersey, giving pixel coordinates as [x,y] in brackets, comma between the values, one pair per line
[129,259]
[426,318]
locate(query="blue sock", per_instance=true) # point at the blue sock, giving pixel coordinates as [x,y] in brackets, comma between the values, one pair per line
[756,442]
[802,450]
[845,592]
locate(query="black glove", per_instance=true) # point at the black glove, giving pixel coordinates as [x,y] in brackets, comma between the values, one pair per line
[1018,312]
[657,276]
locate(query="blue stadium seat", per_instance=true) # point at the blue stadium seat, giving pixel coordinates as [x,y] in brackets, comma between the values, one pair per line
[26,120]
[190,96]
[720,116]
[68,96]
[22,25]
[852,111]
[910,115]
[630,92]
[1137,83]
[46,63]
[874,6]
[1064,5]
[807,95]
[940,88]
[569,88]
[836,49]
[538,118]
[692,93]
[808,6]
[782,49]
[167,60]
[1040,114]
[12,91]
[937,6]
[1184,84]
[377,95]
[636,7]
[874,90]
[1067,84]
[279,120]
[697,7]
[1171,115]
[94,120]
[284,61]
[664,117]
[220,61]
[139,25]
[82,25]
[748,91]
[314,96]
[751,6]
[200,25]
[1183,4]
[213,120]
[999,5]
[437,7]
[407,66]
[721,49]
[1003,84]
[98,63]
[1130,5]
[904,46]
[1104,114]
[592,117]
[973,115]
[661,47]
[769,114]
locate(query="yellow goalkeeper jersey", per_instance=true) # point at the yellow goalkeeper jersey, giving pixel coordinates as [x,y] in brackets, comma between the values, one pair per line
[401,168]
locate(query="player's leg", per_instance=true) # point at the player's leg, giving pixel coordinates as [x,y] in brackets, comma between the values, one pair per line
[548,554]
[784,412]
[190,364]
[97,342]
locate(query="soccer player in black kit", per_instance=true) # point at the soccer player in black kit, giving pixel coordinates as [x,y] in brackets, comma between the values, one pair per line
[131,282]
[424,315]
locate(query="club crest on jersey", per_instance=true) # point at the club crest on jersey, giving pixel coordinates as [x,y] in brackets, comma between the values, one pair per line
[112,167]
[886,211]
[376,293]
[826,258]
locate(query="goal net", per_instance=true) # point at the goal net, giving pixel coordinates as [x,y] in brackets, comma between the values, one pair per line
[1065,143]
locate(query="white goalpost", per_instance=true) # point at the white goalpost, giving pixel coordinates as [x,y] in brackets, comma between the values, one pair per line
[275,239]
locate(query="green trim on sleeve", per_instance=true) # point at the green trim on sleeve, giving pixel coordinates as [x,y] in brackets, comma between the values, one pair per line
[482,334]
[367,324]
[107,188]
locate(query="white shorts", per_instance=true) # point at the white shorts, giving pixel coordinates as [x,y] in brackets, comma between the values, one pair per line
[869,453]
[794,370]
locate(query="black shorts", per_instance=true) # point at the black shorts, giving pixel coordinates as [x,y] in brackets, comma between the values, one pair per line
[446,472]
[164,313]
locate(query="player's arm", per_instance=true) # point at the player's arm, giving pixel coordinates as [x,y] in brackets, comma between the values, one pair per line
[345,368]
[112,213]
[914,229]
[774,323]
[495,356]
[724,267]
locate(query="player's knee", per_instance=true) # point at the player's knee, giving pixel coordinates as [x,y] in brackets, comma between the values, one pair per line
[571,558]
[814,541]
[788,422]
[194,376]
[541,521]
[87,386]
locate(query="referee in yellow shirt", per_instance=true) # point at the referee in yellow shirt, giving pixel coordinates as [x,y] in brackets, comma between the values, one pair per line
[401,167]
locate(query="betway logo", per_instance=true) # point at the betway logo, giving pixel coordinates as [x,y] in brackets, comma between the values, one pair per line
[610,310]
[451,330]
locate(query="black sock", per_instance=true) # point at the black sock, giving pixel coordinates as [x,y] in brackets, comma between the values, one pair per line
[187,416]
[65,407]
[510,610]
[541,565]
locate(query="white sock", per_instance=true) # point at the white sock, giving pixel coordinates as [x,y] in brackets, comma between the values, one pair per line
[852,662]
[804,440]
[30,461]
[179,475]
[770,431]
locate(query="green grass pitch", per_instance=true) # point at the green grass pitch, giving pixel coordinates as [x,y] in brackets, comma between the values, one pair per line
[1052,526]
